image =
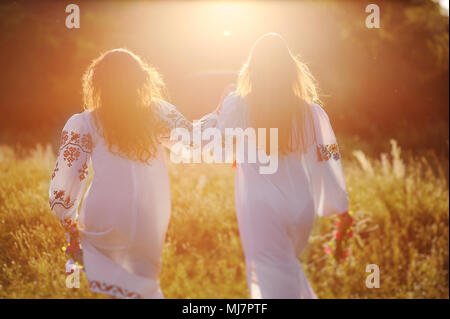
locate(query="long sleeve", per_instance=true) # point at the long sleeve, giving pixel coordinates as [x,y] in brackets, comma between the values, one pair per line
[177,125]
[197,141]
[325,170]
[221,117]
[173,119]
[229,115]
[71,169]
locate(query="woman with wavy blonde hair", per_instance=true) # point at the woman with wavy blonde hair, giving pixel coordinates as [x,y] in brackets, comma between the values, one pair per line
[125,211]
[276,211]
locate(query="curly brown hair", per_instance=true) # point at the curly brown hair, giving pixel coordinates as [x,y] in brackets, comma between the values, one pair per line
[120,90]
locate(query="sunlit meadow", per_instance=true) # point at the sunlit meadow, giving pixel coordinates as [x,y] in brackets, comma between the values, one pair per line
[401,205]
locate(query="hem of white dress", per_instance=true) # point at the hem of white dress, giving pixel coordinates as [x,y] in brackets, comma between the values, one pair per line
[112,290]
[108,277]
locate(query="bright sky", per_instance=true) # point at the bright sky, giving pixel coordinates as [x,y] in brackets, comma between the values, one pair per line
[444,4]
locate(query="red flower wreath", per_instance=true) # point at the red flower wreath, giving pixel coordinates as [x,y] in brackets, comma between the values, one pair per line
[73,247]
[342,233]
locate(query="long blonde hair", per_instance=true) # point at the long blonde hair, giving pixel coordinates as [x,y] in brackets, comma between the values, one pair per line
[279,88]
[119,88]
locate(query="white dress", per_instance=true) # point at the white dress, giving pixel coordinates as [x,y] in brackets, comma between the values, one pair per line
[276,211]
[125,212]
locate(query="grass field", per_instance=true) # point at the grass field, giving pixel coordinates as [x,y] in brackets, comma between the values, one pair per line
[401,209]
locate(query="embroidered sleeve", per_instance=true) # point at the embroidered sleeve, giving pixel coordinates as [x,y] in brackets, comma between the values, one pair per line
[325,169]
[184,138]
[326,152]
[173,119]
[69,176]
[211,120]
[178,131]
[181,136]
[228,114]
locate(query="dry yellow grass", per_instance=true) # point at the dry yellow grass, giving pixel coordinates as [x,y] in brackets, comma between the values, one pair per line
[401,212]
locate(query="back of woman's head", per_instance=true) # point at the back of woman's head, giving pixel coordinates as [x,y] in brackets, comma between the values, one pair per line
[279,88]
[120,88]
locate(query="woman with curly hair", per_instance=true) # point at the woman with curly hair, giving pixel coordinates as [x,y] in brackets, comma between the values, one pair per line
[125,212]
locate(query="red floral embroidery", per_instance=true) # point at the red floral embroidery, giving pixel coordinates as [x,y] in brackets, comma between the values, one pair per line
[64,138]
[59,199]
[55,170]
[74,136]
[72,149]
[71,154]
[86,142]
[327,151]
[68,223]
[113,290]
[83,171]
